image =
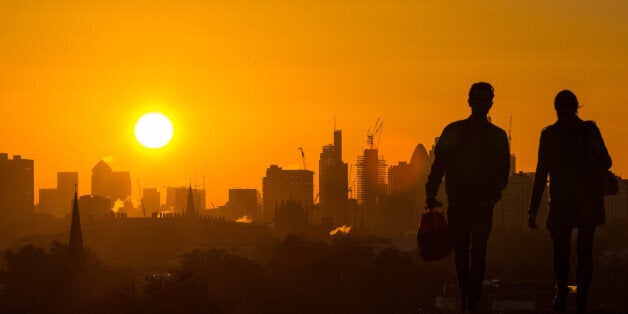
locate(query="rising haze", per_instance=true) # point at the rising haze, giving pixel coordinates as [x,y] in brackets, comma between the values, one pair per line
[247,82]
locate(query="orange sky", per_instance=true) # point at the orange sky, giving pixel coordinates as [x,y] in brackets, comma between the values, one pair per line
[247,82]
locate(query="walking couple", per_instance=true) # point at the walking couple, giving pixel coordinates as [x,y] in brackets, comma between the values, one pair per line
[474,157]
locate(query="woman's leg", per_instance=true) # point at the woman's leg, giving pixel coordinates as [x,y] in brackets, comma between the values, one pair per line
[562,248]
[584,270]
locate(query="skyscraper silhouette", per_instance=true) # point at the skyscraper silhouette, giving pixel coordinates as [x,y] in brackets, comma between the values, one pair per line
[113,184]
[66,183]
[244,202]
[333,181]
[406,194]
[420,164]
[372,189]
[48,201]
[151,200]
[16,185]
[282,185]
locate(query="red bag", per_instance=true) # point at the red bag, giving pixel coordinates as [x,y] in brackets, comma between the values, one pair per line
[433,237]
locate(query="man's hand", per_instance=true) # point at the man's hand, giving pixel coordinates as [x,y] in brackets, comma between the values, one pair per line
[432,203]
[532,221]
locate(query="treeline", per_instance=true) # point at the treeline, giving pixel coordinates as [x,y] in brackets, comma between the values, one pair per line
[343,275]
[302,276]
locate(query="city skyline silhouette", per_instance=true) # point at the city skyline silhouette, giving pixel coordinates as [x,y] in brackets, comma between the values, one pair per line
[305,157]
[80,79]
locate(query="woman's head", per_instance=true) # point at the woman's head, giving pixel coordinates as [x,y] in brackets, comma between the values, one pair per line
[566,103]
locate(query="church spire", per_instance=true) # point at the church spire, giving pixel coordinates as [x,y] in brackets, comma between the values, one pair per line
[189,210]
[76,236]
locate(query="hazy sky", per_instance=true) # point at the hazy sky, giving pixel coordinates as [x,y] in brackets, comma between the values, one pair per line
[247,82]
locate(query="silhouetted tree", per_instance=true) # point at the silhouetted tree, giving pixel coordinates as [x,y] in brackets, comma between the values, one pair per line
[208,280]
[39,281]
[121,299]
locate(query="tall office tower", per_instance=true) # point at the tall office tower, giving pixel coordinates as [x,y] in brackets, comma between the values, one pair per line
[420,163]
[244,202]
[67,182]
[48,202]
[151,200]
[616,206]
[17,186]
[105,182]
[371,179]
[101,176]
[400,178]
[512,208]
[177,199]
[406,189]
[283,185]
[333,181]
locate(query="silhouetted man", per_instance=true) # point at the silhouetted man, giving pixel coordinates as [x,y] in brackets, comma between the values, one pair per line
[474,157]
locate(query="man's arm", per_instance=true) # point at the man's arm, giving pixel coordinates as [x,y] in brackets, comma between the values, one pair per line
[438,169]
[540,181]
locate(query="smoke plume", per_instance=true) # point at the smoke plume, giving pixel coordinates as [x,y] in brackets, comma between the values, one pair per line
[117,206]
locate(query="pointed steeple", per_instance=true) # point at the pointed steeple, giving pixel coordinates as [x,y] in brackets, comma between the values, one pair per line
[189,210]
[76,236]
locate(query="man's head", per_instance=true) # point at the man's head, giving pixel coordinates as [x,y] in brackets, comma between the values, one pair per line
[566,103]
[481,98]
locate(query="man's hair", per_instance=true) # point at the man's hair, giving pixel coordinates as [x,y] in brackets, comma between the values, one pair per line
[481,86]
[566,102]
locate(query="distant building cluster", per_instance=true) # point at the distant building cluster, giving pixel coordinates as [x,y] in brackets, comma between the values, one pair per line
[385,199]
[58,201]
[177,198]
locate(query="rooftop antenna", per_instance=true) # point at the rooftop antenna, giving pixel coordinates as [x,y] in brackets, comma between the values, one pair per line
[510,133]
[196,179]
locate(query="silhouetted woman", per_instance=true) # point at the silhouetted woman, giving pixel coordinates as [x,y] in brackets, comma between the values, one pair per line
[573,153]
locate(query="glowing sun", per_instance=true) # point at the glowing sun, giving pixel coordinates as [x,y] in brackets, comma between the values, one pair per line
[153,130]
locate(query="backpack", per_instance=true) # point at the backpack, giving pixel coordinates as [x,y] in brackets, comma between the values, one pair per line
[597,157]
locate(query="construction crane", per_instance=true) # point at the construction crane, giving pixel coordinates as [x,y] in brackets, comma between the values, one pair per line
[350,187]
[139,187]
[302,157]
[371,134]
